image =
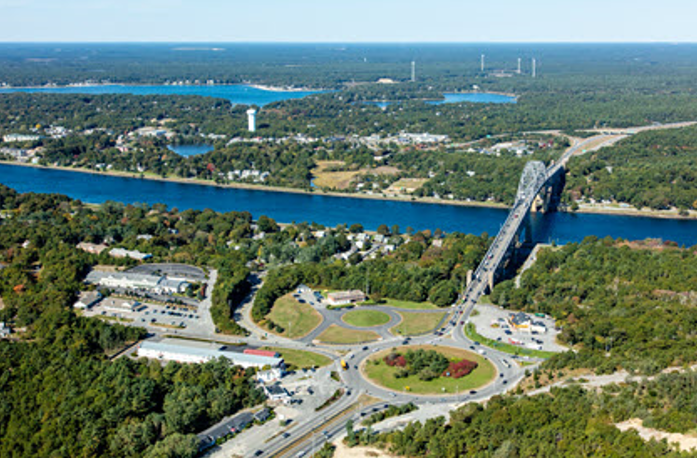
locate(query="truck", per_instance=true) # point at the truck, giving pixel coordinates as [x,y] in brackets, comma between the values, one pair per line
[344,366]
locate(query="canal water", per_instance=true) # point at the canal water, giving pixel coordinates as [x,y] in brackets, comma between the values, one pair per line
[293,207]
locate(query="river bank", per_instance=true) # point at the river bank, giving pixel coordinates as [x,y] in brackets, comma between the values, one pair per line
[584,208]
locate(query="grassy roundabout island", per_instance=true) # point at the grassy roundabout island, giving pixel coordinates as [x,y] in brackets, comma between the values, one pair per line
[414,373]
[366,318]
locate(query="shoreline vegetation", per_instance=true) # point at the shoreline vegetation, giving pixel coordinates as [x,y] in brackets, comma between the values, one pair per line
[261,87]
[609,209]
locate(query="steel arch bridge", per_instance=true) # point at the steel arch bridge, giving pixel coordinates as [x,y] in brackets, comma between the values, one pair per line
[533,178]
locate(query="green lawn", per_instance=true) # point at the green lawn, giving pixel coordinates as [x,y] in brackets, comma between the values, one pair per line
[297,319]
[338,335]
[366,318]
[471,332]
[384,375]
[414,324]
[407,304]
[301,359]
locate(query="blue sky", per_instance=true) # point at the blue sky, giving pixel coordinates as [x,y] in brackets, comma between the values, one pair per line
[349,20]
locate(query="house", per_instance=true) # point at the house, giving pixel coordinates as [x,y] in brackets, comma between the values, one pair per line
[276,393]
[262,415]
[230,425]
[271,375]
[5,330]
[346,297]
[87,299]
[94,248]
[304,289]
[133,254]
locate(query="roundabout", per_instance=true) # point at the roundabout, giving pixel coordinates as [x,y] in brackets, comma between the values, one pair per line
[376,370]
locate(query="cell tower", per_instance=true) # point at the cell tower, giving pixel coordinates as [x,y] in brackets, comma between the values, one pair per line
[252,118]
[413,71]
[519,65]
[482,64]
[534,67]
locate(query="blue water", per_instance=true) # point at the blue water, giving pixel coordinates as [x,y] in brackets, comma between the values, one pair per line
[190,150]
[456,97]
[238,94]
[328,210]
[480,97]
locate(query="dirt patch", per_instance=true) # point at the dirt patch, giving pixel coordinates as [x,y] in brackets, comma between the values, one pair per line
[684,442]
[342,451]
[385,170]
[406,185]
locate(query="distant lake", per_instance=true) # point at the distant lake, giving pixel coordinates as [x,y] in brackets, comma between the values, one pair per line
[238,94]
[190,150]
[456,97]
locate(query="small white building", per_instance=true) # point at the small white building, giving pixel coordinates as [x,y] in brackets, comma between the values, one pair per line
[276,393]
[270,375]
[346,297]
[133,254]
[88,299]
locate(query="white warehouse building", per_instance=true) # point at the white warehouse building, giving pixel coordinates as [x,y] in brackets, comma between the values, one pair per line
[196,352]
[155,283]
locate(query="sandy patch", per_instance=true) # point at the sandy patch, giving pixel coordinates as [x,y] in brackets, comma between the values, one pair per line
[406,185]
[342,451]
[684,442]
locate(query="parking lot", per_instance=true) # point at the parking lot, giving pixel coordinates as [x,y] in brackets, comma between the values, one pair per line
[156,316]
[494,323]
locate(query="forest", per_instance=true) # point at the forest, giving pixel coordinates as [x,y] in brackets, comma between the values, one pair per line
[570,421]
[619,305]
[654,169]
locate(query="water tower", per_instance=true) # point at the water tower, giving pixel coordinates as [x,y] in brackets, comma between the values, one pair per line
[252,118]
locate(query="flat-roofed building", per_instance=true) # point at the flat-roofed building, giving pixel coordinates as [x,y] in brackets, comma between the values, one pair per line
[185,351]
[155,283]
[133,254]
[87,299]
[94,248]
[346,297]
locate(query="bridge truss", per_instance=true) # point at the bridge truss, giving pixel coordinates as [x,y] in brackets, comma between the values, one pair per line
[533,178]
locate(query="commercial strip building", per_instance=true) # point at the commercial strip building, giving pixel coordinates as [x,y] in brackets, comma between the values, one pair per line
[154,283]
[185,351]
[346,297]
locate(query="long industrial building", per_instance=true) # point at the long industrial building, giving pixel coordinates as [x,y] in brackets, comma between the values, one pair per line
[185,351]
[155,283]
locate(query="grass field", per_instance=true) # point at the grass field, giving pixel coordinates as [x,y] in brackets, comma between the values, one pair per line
[471,332]
[338,335]
[384,375]
[406,185]
[366,318]
[407,304]
[333,180]
[301,359]
[297,319]
[414,324]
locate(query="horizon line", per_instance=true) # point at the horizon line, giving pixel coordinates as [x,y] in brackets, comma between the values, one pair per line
[2,42]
